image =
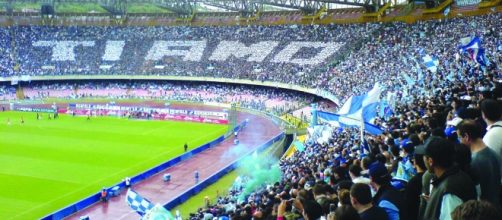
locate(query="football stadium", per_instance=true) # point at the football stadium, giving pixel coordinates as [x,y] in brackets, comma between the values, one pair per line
[244,109]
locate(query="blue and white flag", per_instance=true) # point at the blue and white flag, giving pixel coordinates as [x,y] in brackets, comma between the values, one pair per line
[479,57]
[467,43]
[473,46]
[138,203]
[431,62]
[353,104]
[362,107]
[356,110]
[345,122]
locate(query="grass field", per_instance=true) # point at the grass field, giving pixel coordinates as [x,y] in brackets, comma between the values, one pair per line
[144,8]
[79,8]
[49,164]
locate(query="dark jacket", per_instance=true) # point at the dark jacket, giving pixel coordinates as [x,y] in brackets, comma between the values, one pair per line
[392,195]
[413,191]
[454,181]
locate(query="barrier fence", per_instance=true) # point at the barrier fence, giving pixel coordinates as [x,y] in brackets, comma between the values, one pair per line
[86,202]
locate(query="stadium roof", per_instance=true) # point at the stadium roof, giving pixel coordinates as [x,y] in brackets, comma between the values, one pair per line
[188,7]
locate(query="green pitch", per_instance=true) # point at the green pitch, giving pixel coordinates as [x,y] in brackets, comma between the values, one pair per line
[46,164]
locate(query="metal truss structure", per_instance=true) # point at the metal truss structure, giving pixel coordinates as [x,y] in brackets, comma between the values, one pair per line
[244,7]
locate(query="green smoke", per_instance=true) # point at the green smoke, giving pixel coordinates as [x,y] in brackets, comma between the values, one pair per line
[261,170]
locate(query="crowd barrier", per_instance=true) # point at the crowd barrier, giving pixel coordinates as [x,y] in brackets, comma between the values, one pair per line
[86,202]
[213,178]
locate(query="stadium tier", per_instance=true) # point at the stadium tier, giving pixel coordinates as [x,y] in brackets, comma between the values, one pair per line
[344,59]
[258,98]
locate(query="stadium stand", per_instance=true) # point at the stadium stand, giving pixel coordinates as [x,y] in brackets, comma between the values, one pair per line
[264,99]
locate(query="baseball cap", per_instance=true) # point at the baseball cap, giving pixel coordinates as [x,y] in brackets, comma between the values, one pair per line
[435,147]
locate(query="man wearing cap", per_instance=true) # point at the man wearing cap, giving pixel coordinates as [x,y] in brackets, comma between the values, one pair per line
[485,164]
[386,196]
[450,185]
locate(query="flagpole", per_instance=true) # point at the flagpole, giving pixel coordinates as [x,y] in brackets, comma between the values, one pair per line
[362,132]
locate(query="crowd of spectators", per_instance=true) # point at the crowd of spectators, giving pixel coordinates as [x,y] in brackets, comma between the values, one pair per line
[439,157]
[28,49]
[31,54]
[401,48]
[272,100]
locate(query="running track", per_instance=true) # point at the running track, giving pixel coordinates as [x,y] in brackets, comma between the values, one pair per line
[258,131]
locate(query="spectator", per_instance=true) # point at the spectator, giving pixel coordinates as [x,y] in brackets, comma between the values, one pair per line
[413,189]
[485,164]
[491,113]
[476,210]
[355,174]
[346,212]
[386,196]
[360,197]
[450,185]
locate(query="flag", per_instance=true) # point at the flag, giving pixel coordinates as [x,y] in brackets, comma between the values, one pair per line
[408,79]
[353,104]
[299,146]
[344,122]
[472,45]
[431,63]
[356,110]
[479,57]
[362,107]
[467,43]
[138,203]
